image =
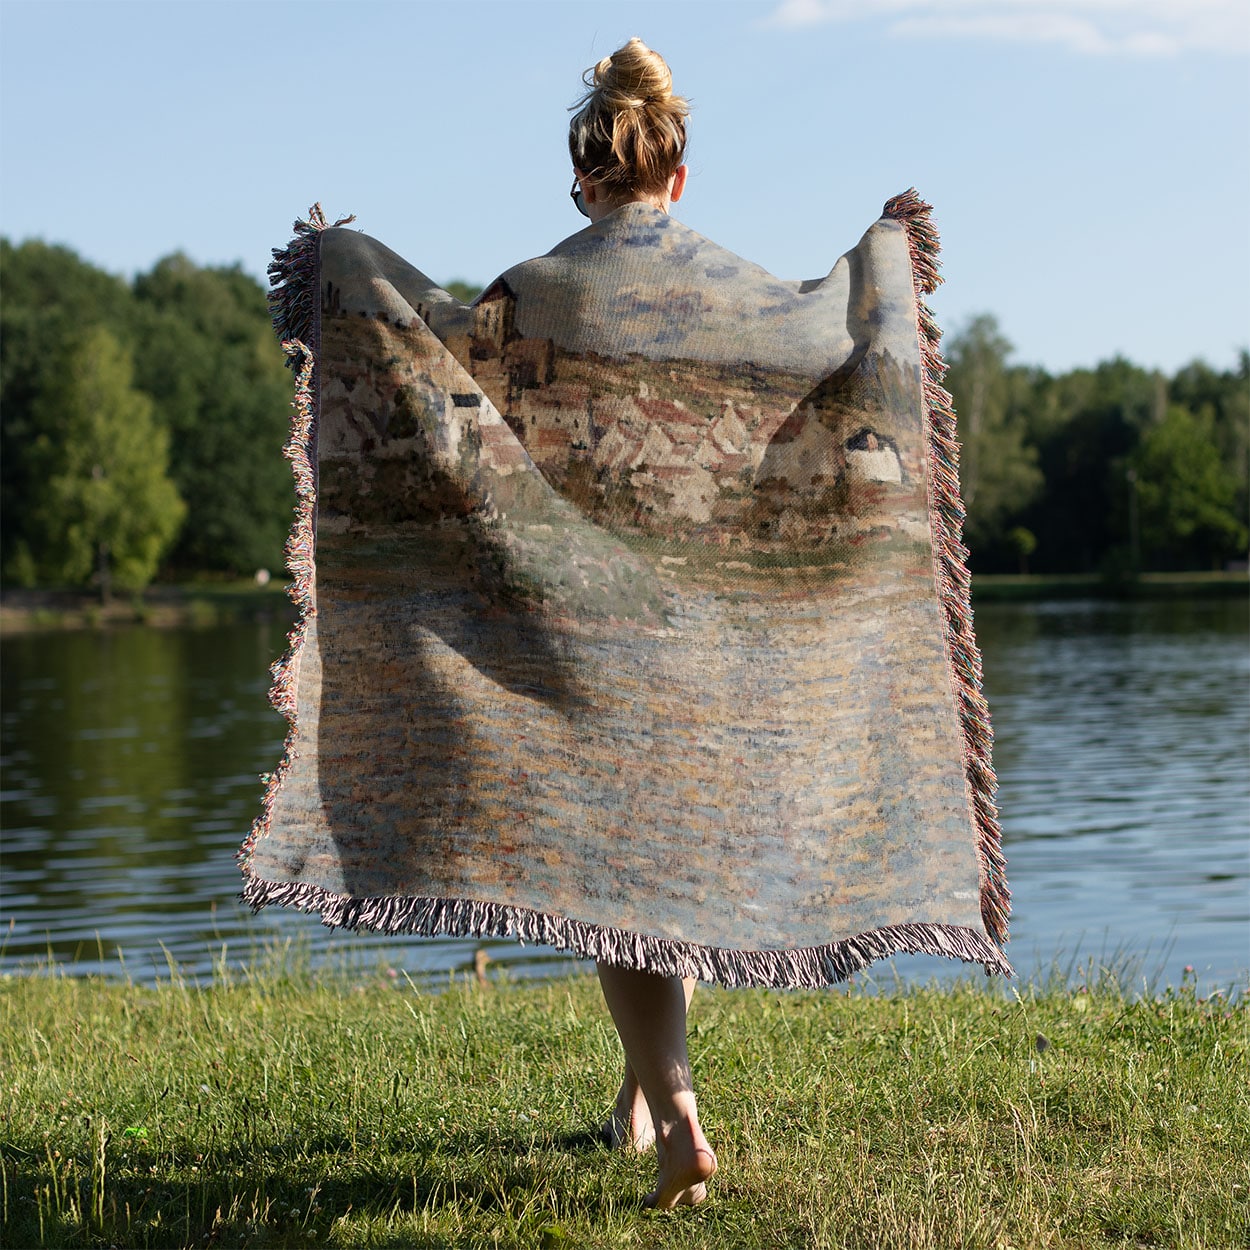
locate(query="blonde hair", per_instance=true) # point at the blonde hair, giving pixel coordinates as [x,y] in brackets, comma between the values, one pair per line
[629,132]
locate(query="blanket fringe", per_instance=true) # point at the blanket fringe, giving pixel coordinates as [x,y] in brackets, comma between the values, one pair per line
[295,304]
[295,297]
[951,564]
[807,968]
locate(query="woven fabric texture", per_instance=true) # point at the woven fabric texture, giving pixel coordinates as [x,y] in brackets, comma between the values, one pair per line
[634,616]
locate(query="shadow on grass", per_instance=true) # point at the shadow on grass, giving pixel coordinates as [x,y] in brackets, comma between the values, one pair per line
[288,1195]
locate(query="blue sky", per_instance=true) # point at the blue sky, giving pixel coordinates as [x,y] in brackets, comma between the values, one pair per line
[1089,160]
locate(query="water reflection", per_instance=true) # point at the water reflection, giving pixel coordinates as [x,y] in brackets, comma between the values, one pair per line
[1122,736]
[131,762]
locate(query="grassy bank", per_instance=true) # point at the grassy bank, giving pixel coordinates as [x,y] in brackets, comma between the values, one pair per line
[1004,587]
[281,1109]
[164,606]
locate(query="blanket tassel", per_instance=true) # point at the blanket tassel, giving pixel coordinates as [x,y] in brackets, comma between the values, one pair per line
[951,565]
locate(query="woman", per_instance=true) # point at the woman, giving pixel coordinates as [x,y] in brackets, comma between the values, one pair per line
[637,625]
[628,142]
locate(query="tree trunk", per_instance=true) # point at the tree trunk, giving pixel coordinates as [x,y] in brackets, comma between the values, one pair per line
[105,574]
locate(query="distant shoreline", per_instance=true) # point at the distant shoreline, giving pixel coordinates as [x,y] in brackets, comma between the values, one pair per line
[1009,587]
[217,603]
[162,606]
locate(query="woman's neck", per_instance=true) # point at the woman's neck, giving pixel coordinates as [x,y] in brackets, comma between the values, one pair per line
[599,204]
[602,208]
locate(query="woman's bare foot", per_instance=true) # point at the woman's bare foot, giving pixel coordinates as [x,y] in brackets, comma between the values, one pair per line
[686,1165]
[629,1126]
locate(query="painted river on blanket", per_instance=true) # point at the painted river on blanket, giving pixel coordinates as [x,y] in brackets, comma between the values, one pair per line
[130,775]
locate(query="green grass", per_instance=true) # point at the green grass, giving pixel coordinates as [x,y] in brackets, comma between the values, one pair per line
[285,1108]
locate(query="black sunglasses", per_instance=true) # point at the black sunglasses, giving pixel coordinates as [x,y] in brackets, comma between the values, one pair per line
[576,196]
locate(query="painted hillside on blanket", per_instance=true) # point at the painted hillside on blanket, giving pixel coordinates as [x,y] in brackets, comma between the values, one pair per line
[747,467]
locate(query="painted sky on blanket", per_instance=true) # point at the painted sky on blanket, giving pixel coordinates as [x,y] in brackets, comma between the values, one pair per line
[1087,158]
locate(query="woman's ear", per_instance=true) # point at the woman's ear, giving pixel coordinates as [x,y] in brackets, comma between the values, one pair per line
[678,185]
[588,186]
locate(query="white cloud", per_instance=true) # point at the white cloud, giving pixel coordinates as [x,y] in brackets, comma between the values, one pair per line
[1137,28]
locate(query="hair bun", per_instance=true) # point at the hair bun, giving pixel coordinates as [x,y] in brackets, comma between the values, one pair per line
[629,131]
[633,77]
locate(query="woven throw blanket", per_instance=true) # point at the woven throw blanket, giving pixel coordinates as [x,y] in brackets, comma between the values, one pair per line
[634,616]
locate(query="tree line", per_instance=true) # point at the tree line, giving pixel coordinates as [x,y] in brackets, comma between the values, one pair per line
[1114,470]
[140,424]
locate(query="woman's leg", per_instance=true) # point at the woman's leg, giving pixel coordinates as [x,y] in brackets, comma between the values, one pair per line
[649,1012]
[629,1127]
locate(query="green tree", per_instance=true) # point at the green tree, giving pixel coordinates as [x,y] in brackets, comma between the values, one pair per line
[51,297]
[1187,493]
[107,509]
[997,467]
[1024,543]
[465,292]
[208,357]
[1086,424]
[1223,399]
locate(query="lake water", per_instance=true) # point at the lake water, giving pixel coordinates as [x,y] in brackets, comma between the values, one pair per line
[131,757]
